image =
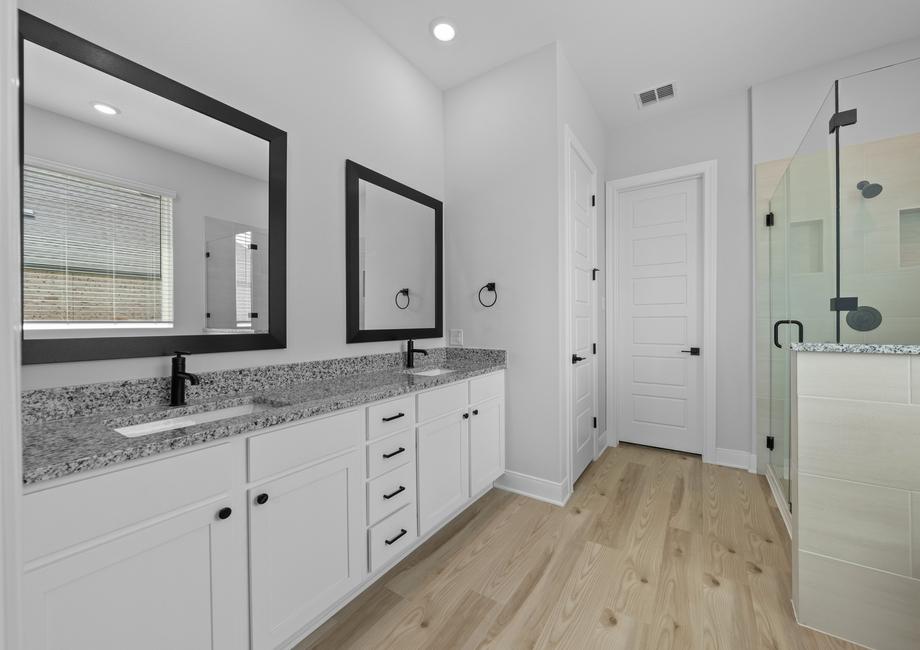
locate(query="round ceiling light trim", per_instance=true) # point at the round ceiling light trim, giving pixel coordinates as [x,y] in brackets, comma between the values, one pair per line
[106,109]
[443,30]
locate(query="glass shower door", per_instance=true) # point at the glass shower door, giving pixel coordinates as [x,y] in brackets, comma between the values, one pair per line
[779,341]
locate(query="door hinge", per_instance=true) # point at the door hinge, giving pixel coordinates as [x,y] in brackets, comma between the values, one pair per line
[594,272]
[593,200]
[841,118]
[769,220]
[770,443]
[850,303]
[595,423]
[253,247]
[207,314]
[207,254]
[594,348]
[253,314]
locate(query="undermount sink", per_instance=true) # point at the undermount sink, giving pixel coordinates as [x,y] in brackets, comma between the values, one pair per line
[159,426]
[432,372]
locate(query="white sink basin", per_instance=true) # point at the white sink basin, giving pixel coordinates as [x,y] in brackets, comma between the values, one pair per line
[158,426]
[432,372]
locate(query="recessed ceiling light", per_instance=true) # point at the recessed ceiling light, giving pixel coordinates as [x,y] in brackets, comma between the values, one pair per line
[106,109]
[443,30]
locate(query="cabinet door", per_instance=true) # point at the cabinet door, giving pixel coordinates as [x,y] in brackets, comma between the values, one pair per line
[487,444]
[443,468]
[179,583]
[306,545]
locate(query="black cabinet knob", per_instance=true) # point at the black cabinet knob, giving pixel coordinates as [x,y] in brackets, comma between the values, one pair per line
[262,499]
[466,416]
[224,513]
[475,411]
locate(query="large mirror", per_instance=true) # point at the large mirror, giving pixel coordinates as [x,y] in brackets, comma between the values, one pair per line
[394,259]
[153,217]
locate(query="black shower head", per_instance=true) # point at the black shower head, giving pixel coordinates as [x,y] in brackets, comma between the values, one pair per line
[869,190]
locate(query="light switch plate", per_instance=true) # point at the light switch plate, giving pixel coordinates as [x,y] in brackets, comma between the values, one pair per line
[456,337]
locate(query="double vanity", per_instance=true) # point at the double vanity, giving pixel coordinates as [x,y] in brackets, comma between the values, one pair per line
[249,530]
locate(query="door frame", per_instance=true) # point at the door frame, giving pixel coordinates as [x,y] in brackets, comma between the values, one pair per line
[706,172]
[571,143]
[10,337]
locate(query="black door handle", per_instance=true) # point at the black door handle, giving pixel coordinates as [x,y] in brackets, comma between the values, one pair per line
[693,352]
[402,531]
[394,453]
[797,323]
[402,488]
[394,417]
[576,358]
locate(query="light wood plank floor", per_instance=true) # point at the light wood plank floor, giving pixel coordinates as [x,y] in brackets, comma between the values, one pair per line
[654,550]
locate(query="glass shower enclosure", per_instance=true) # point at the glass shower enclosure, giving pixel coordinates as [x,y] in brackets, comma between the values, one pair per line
[838,238]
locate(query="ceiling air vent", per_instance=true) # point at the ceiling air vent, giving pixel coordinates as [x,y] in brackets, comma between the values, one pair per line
[655,95]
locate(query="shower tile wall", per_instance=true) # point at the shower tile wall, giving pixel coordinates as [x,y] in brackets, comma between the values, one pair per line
[857,533]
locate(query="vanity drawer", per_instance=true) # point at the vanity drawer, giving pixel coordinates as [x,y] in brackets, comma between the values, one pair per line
[443,400]
[487,387]
[73,513]
[388,493]
[384,455]
[390,417]
[276,451]
[391,536]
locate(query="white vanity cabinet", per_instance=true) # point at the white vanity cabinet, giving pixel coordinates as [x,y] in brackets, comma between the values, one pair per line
[148,557]
[254,541]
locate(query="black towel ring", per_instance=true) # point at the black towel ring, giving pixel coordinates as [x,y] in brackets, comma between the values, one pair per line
[490,286]
[402,292]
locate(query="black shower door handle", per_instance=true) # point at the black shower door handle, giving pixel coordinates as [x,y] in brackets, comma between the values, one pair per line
[797,323]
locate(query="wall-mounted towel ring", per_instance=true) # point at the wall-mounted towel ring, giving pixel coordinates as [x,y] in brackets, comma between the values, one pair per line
[490,286]
[402,292]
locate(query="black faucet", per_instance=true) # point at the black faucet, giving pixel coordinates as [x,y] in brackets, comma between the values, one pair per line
[179,377]
[411,352]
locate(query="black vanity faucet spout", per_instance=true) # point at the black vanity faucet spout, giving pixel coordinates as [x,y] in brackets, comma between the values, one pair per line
[179,377]
[411,352]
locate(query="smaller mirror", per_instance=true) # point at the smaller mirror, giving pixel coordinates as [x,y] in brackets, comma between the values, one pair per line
[393,257]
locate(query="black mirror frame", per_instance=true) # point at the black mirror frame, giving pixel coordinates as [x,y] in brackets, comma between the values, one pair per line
[353,174]
[35,30]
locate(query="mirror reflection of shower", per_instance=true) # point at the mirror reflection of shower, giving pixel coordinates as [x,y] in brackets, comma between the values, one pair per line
[869,190]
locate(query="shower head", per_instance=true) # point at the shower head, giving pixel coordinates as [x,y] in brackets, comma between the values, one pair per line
[869,190]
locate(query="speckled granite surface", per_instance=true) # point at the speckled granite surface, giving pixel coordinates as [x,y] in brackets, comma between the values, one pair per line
[59,446]
[857,348]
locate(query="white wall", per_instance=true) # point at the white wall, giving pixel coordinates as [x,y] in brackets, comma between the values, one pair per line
[501,205]
[576,111]
[783,108]
[202,190]
[719,131]
[314,70]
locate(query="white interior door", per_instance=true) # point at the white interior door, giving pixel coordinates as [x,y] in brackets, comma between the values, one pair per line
[582,238]
[659,330]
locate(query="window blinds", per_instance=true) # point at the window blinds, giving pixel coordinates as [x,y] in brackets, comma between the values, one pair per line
[94,252]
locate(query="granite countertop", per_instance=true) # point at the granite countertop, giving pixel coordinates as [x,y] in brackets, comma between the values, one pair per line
[57,448]
[857,348]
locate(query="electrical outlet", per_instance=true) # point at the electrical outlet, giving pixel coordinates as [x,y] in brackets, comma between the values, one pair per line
[456,337]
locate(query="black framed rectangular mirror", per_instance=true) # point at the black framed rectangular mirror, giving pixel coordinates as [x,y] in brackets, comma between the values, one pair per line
[153,216]
[394,258]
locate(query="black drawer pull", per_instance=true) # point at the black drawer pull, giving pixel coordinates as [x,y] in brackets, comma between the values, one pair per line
[394,417]
[262,499]
[394,453]
[402,488]
[224,513]
[402,531]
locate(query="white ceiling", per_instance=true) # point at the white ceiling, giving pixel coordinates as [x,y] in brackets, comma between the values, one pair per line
[708,48]
[64,86]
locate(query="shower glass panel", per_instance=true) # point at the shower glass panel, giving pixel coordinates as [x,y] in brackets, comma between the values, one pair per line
[880,205]
[802,271]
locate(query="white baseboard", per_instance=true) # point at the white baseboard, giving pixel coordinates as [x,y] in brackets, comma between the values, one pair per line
[533,487]
[736,458]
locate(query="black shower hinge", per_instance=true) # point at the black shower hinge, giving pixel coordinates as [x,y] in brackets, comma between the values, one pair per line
[770,443]
[770,220]
[595,423]
[207,254]
[207,314]
[844,304]
[594,348]
[841,118]
[254,314]
[594,273]
[593,200]
[253,247]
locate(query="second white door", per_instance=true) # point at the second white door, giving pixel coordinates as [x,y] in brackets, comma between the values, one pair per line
[659,321]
